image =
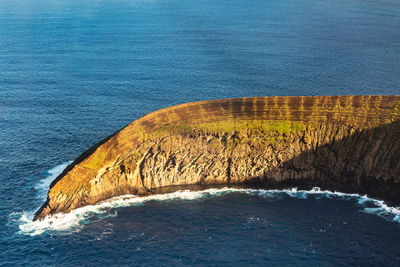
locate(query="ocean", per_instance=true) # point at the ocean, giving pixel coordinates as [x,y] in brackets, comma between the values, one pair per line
[73,72]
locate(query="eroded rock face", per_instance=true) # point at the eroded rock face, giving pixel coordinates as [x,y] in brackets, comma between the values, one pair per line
[348,143]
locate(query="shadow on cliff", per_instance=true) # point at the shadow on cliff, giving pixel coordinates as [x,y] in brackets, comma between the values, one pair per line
[366,162]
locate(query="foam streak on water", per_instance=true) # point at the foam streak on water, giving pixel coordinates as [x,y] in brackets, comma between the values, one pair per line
[43,186]
[72,221]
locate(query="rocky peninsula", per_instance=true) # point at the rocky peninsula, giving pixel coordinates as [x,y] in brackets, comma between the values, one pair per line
[345,143]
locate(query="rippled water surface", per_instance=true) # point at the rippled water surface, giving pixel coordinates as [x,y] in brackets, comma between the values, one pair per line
[72,72]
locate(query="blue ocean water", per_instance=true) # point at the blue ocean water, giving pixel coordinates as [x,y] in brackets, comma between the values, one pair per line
[72,72]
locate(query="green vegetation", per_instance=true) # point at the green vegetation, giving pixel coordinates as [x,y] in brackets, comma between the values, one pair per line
[231,125]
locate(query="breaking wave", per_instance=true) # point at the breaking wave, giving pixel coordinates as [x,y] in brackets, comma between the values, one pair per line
[72,221]
[43,186]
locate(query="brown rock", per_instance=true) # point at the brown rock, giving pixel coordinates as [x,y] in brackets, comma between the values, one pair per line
[348,143]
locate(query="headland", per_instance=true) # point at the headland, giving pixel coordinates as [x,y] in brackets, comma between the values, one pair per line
[344,143]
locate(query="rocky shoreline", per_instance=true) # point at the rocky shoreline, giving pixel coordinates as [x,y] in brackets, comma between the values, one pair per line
[344,143]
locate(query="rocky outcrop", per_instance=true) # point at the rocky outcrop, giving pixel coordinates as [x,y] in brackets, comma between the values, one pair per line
[347,143]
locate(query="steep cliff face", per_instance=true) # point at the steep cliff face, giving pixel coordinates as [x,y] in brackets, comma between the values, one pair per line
[348,143]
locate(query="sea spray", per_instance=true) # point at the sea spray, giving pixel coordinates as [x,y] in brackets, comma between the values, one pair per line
[43,186]
[75,219]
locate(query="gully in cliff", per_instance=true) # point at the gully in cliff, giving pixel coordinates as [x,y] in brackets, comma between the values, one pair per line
[346,143]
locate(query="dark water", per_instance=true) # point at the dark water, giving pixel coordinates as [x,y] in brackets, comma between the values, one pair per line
[72,72]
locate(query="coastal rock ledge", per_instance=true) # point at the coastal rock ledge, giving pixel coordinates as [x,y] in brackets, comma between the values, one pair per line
[346,143]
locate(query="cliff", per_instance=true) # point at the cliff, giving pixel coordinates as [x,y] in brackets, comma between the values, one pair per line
[347,143]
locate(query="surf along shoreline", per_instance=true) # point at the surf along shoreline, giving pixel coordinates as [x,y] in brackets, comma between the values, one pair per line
[341,143]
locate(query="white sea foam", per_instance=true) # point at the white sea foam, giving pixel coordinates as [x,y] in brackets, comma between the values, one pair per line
[43,186]
[72,221]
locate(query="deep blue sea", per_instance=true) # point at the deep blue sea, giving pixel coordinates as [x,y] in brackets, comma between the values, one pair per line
[75,71]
